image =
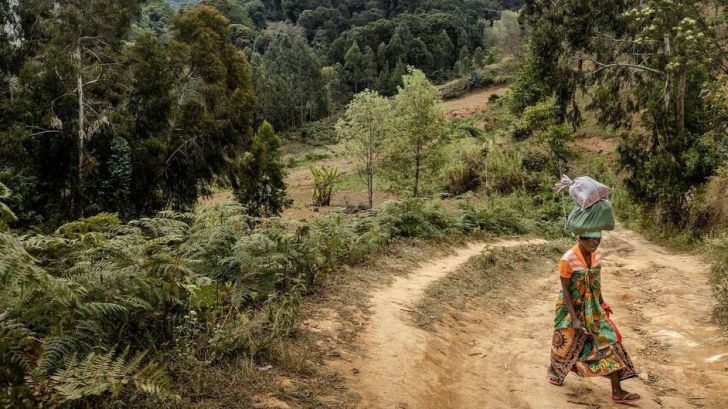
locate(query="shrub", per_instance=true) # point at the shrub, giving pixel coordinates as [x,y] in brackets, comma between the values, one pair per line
[504,172]
[537,118]
[464,165]
[716,205]
[719,252]
[491,219]
[324,180]
[414,218]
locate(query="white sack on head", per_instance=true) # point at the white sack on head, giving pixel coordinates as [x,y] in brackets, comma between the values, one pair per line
[584,190]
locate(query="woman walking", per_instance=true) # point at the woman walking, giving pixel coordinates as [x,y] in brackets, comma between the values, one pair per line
[585,340]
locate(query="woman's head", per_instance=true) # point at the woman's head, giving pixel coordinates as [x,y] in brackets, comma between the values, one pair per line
[590,241]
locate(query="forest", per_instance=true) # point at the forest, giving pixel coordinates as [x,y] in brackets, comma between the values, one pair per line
[125,280]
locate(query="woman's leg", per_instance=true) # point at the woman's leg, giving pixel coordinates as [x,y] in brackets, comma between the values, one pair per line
[618,394]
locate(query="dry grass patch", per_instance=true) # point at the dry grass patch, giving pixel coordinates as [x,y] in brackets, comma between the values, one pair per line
[481,280]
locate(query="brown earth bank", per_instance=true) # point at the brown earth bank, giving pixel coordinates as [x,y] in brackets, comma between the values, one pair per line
[496,357]
[471,103]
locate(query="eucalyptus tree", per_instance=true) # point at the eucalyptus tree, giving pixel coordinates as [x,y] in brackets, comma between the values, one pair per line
[365,126]
[660,63]
[419,126]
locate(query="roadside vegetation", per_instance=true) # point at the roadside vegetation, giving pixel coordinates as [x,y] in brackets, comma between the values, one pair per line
[94,309]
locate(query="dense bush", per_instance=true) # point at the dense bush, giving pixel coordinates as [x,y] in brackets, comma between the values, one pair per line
[719,250]
[464,164]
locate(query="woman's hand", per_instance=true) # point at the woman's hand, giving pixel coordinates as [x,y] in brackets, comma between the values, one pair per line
[576,323]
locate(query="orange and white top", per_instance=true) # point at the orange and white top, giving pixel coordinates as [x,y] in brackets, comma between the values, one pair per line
[573,260]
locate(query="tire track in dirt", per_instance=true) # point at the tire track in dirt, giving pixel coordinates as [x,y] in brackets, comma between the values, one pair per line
[497,357]
[393,370]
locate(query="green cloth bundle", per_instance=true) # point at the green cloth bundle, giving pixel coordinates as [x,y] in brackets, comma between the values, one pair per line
[596,217]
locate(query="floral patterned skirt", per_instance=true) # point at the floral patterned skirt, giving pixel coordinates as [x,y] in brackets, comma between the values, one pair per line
[575,351]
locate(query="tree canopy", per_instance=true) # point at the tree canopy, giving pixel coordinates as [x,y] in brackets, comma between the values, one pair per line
[658,64]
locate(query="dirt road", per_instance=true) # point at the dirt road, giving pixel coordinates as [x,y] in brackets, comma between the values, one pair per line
[472,102]
[497,358]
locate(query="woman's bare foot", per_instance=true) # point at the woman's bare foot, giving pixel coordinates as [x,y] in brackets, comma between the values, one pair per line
[622,396]
[553,378]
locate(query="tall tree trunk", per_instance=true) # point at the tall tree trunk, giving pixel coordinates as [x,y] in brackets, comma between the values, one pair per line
[681,102]
[417,167]
[370,186]
[370,171]
[668,83]
[81,126]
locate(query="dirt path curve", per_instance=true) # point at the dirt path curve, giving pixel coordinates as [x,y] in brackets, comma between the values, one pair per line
[497,358]
[390,372]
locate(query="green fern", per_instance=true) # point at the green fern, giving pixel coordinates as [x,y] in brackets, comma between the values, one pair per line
[20,273]
[102,310]
[15,340]
[95,287]
[100,374]
[56,350]
[161,227]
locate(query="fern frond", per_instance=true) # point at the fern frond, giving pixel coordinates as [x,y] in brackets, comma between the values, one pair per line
[161,227]
[100,374]
[185,217]
[82,271]
[154,381]
[19,270]
[46,244]
[134,303]
[55,351]
[14,340]
[87,330]
[101,310]
[6,214]
[166,240]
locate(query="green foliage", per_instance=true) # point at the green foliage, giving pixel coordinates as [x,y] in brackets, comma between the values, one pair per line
[288,79]
[154,124]
[504,171]
[463,165]
[90,310]
[156,17]
[506,36]
[6,215]
[537,118]
[355,63]
[419,125]
[556,141]
[661,67]
[324,181]
[261,186]
[365,126]
[102,374]
[719,254]
[415,218]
